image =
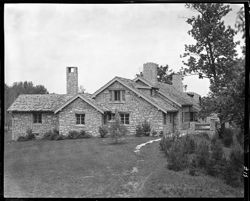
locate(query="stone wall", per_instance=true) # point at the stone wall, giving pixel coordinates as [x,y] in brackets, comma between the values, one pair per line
[137,107]
[67,119]
[22,121]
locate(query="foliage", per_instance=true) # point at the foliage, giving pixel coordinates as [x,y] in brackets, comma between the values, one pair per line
[29,136]
[143,129]
[51,135]
[103,130]
[166,143]
[202,153]
[234,168]
[177,158]
[214,57]
[189,144]
[117,129]
[22,138]
[154,133]
[77,134]
[227,137]
[146,128]
[139,131]
[217,161]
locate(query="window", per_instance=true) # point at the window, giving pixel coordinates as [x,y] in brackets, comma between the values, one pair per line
[37,117]
[164,118]
[124,118]
[80,118]
[117,95]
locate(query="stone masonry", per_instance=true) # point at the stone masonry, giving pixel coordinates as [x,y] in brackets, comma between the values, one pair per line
[67,119]
[22,121]
[138,109]
[72,80]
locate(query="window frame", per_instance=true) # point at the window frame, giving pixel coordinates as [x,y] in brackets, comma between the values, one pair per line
[117,95]
[81,118]
[124,118]
[37,118]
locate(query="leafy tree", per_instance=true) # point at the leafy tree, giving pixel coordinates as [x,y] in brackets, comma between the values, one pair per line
[214,52]
[117,129]
[214,57]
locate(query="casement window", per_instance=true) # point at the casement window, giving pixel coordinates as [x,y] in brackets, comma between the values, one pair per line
[37,117]
[80,118]
[124,118]
[164,118]
[117,95]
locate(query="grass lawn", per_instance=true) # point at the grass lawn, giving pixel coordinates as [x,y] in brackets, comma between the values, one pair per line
[97,168]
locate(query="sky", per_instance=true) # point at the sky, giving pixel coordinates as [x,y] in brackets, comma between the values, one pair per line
[103,41]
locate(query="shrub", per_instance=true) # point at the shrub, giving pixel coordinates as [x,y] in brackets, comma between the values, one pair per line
[216,163]
[204,135]
[146,128]
[59,137]
[193,167]
[103,130]
[161,133]
[154,133]
[202,153]
[86,135]
[73,134]
[234,168]
[21,138]
[56,131]
[29,134]
[166,143]
[139,131]
[177,159]
[50,135]
[117,129]
[189,144]
[227,137]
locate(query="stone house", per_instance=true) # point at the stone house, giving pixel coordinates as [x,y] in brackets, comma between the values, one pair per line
[165,106]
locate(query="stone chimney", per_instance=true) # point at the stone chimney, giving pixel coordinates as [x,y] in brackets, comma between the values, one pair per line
[150,72]
[72,80]
[177,82]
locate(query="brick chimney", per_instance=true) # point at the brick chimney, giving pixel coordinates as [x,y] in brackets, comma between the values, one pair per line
[150,72]
[72,80]
[177,82]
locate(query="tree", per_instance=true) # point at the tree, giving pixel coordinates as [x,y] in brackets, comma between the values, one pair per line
[117,129]
[214,52]
[214,57]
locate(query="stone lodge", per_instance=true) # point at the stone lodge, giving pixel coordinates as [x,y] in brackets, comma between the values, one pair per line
[166,106]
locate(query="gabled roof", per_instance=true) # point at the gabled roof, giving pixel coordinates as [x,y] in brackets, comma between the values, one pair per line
[86,98]
[130,84]
[38,102]
[48,102]
[171,93]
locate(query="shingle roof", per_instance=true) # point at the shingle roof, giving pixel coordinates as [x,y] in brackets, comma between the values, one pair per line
[43,102]
[155,99]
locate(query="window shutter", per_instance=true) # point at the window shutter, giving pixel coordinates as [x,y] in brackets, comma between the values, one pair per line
[123,95]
